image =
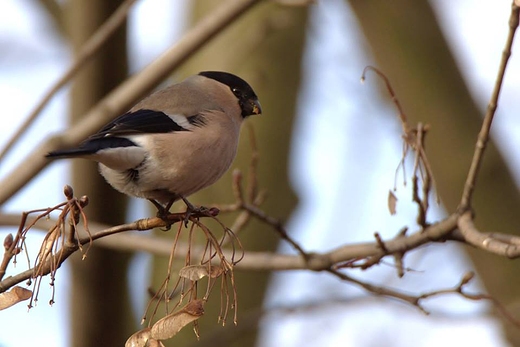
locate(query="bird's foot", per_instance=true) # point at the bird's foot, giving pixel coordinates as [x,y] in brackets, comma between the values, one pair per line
[163,212]
[193,210]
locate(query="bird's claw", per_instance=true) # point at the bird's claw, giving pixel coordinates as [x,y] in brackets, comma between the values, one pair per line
[192,210]
[164,213]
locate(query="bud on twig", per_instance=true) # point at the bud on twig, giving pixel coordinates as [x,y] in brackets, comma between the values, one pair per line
[8,242]
[83,201]
[68,192]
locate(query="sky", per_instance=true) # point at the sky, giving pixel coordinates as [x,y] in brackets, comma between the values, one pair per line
[33,57]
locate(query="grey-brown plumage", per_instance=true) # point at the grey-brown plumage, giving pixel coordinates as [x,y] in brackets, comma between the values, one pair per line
[176,141]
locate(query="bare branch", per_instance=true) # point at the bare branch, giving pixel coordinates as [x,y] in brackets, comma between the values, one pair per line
[501,244]
[413,138]
[54,261]
[483,136]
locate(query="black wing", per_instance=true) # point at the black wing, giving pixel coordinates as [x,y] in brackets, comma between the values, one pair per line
[139,122]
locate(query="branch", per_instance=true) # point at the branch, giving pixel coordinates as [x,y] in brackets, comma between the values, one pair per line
[122,98]
[250,320]
[483,136]
[264,261]
[257,261]
[445,230]
[68,248]
[413,138]
[500,244]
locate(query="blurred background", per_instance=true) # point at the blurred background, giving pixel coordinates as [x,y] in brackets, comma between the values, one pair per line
[329,147]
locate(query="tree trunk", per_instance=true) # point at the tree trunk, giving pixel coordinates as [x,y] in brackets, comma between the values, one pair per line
[99,299]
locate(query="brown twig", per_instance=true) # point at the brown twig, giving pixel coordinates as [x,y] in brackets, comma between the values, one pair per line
[266,261]
[253,261]
[13,248]
[252,196]
[393,96]
[416,300]
[493,243]
[444,230]
[483,136]
[54,260]
[413,138]
[277,225]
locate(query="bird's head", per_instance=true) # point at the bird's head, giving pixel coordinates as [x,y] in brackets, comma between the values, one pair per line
[247,99]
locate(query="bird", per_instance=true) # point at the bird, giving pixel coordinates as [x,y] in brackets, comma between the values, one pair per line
[173,143]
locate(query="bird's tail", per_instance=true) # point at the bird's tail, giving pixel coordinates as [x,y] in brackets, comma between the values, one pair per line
[90,147]
[69,153]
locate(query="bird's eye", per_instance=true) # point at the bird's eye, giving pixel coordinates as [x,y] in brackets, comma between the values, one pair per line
[236,91]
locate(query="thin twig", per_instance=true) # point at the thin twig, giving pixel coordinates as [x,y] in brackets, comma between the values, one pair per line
[416,300]
[393,96]
[483,136]
[277,225]
[413,137]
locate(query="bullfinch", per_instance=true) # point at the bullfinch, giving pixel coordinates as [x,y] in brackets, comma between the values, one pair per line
[174,142]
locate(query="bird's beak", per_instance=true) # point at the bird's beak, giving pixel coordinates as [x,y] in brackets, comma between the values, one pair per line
[255,106]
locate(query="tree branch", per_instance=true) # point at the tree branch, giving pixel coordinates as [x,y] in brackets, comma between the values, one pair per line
[483,136]
[500,244]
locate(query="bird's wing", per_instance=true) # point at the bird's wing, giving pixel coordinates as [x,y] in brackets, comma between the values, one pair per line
[141,122]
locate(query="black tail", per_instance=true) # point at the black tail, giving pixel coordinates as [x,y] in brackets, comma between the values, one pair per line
[69,153]
[91,147]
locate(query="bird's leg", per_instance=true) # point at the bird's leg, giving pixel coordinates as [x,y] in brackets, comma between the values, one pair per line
[189,205]
[162,211]
[169,205]
[191,209]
